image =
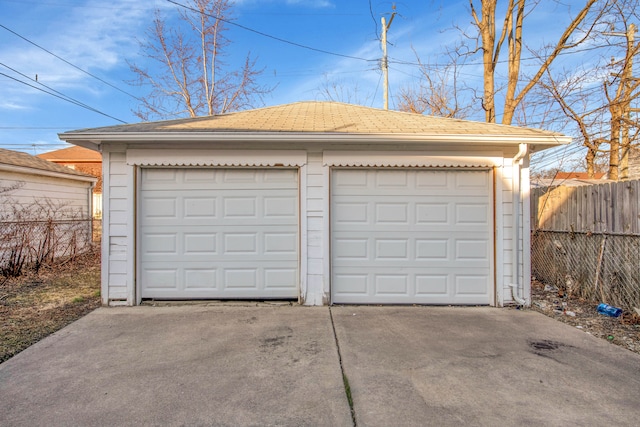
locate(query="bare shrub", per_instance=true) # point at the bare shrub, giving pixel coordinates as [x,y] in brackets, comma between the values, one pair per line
[40,233]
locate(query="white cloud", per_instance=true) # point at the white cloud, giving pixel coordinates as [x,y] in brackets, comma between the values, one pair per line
[13,106]
[92,36]
[314,4]
[311,3]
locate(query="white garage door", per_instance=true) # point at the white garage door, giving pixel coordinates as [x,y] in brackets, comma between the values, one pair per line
[218,233]
[411,236]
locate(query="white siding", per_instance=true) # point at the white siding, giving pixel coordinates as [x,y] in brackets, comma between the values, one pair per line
[116,238]
[506,224]
[67,197]
[317,282]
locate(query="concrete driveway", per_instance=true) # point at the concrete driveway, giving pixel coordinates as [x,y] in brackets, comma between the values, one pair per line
[261,365]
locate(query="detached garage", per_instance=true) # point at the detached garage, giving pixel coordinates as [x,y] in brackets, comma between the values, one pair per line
[318,202]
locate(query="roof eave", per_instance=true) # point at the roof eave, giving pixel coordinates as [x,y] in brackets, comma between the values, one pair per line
[47,173]
[94,140]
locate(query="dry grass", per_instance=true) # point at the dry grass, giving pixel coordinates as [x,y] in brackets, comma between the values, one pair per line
[34,306]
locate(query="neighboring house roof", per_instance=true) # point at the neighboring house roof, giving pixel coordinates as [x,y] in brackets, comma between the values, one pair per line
[72,155]
[555,182]
[578,175]
[15,161]
[317,120]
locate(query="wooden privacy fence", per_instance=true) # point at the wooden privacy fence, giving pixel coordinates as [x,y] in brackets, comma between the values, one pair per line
[586,241]
[610,207]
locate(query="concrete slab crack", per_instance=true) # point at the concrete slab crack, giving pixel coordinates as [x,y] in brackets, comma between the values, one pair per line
[345,380]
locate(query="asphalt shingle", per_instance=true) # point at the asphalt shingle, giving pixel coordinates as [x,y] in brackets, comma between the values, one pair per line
[324,117]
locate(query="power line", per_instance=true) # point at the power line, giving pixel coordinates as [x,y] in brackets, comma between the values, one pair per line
[69,63]
[64,98]
[67,97]
[269,35]
[375,21]
[566,52]
[38,127]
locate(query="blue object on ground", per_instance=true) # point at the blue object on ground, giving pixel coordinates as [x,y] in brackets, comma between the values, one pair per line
[609,310]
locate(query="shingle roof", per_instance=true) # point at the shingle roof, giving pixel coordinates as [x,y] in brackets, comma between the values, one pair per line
[72,155]
[323,117]
[19,159]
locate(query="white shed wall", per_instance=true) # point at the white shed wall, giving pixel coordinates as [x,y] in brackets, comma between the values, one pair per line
[67,197]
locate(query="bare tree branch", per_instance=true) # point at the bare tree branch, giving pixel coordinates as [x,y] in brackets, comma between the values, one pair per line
[186,73]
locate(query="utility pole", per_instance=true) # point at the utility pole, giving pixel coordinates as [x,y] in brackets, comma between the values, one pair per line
[385,61]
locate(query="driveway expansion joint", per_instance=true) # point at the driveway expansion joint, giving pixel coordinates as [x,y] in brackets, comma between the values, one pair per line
[345,380]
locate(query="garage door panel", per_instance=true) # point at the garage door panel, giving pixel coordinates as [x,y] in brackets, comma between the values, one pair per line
[160,207]
[434,213]
[351,285]
[392,249]
[200,244]
[203,278]
[471,250]
[473,180]
[348,213]
[200,280]
[200,207]
[220,246]
[411,236]
[210,233]
[279,278]
[433,285]
[442,248]
[432,249]
[466,213]
[164,179]
[280,207]
[439,287]
[470,285]
[354,211]
[159,277]
[162,243]
[391,284]
[391,213]
[432,181]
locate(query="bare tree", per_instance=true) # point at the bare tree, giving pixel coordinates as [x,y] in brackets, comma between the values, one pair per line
[186,73]
[491,42]
[438,92]
[341,91]
[598,96]
[576,100]
[621,92]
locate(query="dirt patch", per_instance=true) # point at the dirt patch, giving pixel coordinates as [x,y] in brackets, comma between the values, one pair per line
[34,306]
[623,331]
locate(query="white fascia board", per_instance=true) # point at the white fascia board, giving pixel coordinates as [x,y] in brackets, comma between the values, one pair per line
[96,139]
[93,145]
[42,172]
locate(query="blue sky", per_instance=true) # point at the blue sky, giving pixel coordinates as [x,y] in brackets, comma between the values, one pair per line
[100,37]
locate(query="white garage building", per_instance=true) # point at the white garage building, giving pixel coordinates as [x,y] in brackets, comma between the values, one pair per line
[319,202]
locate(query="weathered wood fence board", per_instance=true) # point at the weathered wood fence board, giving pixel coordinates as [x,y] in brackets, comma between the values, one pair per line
[610,207]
